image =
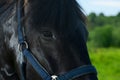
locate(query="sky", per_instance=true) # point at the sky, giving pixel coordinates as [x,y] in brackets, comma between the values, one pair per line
[108,7]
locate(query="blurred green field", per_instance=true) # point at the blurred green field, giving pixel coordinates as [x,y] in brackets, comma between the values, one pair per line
[107,62]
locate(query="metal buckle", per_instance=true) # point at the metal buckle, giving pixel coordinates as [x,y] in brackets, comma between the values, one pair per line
[22,46]
[54,77]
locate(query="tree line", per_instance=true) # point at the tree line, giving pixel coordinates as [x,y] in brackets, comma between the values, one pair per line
[104,31]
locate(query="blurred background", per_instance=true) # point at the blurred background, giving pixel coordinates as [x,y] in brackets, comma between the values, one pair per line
[104,36]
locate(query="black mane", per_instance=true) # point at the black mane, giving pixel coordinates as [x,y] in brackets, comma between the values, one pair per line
[56,12]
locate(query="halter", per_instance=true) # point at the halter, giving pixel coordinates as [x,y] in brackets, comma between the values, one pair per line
[23,46]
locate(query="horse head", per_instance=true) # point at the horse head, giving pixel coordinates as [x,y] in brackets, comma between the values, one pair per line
[53,33]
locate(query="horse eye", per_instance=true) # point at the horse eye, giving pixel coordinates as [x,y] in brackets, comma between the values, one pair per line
[47,35]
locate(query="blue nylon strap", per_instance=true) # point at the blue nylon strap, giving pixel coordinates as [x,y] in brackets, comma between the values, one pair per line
[22,75]
[38,67]
[81,71]
[20,31]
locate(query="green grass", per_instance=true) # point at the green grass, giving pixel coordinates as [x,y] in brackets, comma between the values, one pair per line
[107,62]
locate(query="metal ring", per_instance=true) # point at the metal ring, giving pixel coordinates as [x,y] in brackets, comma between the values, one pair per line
[22,46]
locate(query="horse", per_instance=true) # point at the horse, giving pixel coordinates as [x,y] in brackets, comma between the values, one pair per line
[44,40]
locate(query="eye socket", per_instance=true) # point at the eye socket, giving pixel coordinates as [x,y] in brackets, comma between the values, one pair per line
[48,35]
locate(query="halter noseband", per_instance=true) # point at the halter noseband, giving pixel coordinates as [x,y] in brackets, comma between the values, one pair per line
[23,46]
